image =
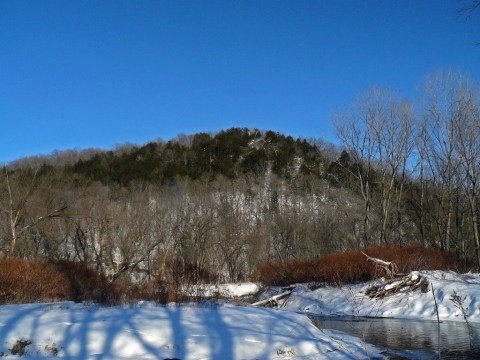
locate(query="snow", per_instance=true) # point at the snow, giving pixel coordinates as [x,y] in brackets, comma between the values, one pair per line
[146,330]
[223,290]
[150,331]
[350,300]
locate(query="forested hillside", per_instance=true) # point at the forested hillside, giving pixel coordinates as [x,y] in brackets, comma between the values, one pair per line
[214,207]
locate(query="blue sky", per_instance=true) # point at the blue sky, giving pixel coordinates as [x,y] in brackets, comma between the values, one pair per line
[94,73]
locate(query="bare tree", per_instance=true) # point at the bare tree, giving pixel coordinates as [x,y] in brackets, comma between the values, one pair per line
[468,129]
[19,187]
[379,136]
[392,130]
[353,130]
[451,108]
[440,150]
[91,238]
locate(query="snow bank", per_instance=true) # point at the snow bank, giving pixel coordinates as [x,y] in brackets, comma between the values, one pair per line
[350,300]
[146,331]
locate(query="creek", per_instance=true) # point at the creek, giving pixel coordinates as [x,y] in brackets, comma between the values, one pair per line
[411,339]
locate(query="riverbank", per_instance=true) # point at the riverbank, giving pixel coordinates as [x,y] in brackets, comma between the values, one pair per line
[150,331]
[147,330]
[455,296]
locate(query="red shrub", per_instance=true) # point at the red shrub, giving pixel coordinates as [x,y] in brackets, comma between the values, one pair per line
[341,268]
[24,281]
[414,257]
[29,281]
[349,267]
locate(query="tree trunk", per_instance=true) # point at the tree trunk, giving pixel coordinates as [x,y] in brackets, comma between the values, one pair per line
[473,214]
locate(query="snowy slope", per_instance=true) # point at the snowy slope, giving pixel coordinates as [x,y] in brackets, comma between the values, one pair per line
[147,331]
[350,300]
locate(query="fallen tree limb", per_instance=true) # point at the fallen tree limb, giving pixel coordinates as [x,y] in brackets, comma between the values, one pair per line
[389,267]
[272,301]
[403,284]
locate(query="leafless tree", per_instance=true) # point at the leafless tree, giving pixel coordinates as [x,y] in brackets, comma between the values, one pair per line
[392,130]
[440,115]
[451,151]
[378,133]
[468,129]
[353,130]
[19,187]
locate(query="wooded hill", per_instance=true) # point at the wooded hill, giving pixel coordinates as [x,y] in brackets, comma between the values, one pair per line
[207,206]
[229,153]
[214,207]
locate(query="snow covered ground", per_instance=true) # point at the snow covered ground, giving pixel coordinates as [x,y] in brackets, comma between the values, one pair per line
[223,290]
[149,331]
[351,300]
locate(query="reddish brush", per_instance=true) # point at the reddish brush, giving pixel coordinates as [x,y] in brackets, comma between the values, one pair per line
[24,281]
[349,267]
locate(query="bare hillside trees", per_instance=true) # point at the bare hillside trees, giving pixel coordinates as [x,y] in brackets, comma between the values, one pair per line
[451,123]
[24,207]
[435,151]
[378,135]
[219,230]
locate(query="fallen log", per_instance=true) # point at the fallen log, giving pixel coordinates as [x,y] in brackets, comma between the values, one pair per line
[398,285]
[272,301]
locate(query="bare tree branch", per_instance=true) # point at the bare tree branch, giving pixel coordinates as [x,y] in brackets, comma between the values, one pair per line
[468,10]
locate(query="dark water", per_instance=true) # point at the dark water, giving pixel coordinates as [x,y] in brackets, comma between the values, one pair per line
[411,339]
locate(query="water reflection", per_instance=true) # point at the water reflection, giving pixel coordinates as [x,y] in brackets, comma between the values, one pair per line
[411,339]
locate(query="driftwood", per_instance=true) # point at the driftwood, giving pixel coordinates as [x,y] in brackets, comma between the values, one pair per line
[272,301]
[389,267]
[398,285]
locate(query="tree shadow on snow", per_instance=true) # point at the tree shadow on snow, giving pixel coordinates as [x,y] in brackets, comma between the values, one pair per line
[77,331]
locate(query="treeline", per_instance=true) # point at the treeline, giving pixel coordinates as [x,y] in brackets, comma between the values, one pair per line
[229,153]
[416,165]
[214,207]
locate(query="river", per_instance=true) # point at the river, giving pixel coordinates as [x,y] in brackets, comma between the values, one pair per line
[411,339]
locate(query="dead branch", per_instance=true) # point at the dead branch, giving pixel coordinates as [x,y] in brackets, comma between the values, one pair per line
[389,267]
[398,285]
[468,10]
[127,266]
[51,215]
[272,301]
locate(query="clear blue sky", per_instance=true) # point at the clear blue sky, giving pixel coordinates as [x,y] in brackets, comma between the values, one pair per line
[97,73]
